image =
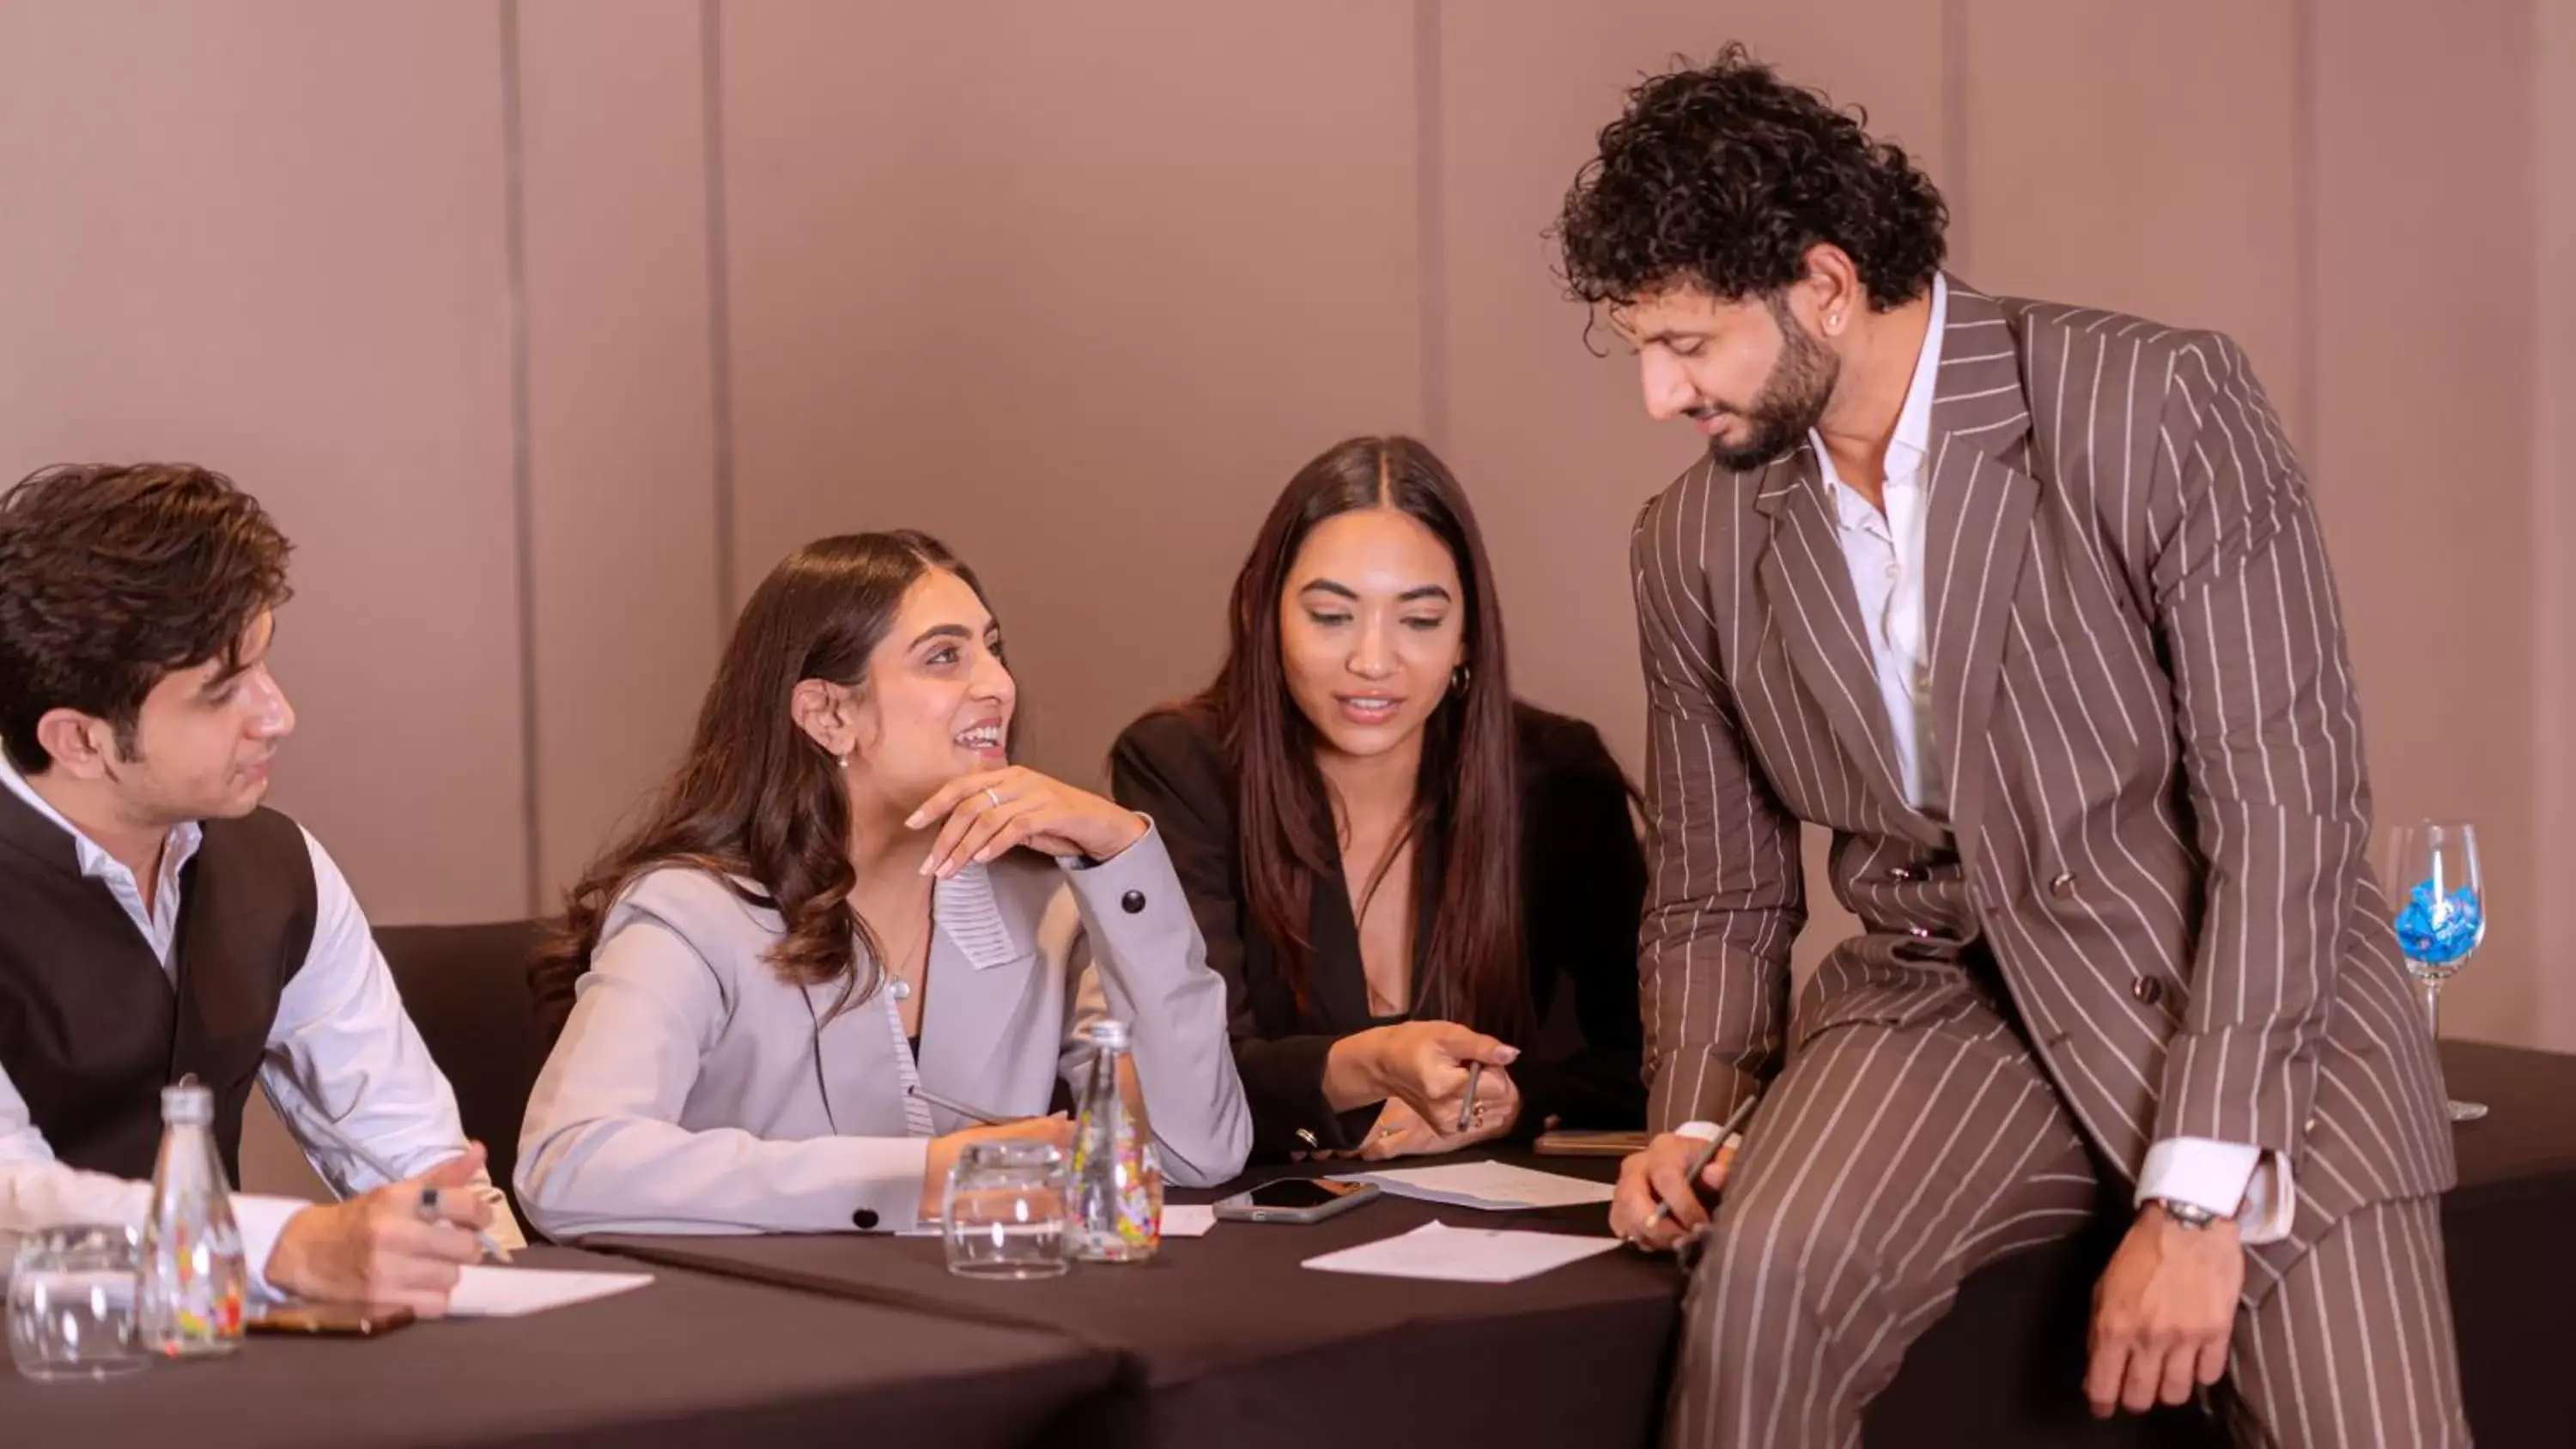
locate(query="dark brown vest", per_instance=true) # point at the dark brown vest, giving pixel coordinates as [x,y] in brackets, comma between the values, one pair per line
[90,1027]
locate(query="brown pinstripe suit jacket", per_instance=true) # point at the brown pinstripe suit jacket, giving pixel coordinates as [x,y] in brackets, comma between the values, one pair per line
[2159,816]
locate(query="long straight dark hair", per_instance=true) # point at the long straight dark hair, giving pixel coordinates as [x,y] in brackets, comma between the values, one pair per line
[1465,825]
[756,799]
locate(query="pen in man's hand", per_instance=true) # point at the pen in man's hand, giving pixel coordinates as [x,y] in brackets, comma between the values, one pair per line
[1467,1108]
[1734,1123]
[427,1208]
[428,1212]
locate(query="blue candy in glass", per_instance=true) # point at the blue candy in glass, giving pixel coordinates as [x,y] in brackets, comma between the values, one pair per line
[2434,931]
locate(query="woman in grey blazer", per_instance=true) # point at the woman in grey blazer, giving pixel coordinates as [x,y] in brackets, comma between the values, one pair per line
[847,902]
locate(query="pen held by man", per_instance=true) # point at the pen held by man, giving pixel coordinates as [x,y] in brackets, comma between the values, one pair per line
[403,1245]
[1657,1206]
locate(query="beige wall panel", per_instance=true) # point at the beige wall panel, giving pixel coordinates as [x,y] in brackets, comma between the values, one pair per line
[621,405]
[2424,465]
[269,237]
[1076,288]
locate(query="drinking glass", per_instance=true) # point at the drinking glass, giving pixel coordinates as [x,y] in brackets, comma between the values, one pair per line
[71,1303]
[1003,1213]
[2441,914]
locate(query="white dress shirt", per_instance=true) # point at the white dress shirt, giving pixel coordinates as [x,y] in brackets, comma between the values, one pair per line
[344,1065]
[1884,550]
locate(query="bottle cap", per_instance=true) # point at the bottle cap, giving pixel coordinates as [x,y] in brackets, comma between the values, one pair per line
[187,1105]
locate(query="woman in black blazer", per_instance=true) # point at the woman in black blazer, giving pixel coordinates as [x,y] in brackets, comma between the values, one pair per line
[1404,875]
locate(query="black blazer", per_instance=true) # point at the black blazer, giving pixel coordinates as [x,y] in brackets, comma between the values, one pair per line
[1583,884]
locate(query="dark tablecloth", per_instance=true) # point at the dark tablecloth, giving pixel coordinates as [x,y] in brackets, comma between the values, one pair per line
[1226,1340]
[2509,1231]
[688,1360]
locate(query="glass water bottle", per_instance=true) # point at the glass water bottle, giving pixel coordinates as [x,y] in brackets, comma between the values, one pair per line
[194,1280]
[1117,1185]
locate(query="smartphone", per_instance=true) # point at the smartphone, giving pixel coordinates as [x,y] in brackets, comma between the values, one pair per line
[334,1320]
[1296,1200]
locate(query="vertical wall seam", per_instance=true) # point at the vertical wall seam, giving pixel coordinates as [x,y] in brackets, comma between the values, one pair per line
[2303,214]
[522,456]
[1954,128]
[1430,222]
[719,306]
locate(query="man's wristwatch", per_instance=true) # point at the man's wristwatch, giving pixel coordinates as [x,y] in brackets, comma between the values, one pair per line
[2186,1214]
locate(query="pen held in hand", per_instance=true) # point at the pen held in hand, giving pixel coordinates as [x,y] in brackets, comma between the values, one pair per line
[1735,1121]
[951,1104]
[493,1252]
[1467,1108]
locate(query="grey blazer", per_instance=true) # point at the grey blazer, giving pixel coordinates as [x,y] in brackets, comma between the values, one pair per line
[693,1092]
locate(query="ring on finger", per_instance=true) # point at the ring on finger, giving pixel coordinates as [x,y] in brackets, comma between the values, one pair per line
[993,795]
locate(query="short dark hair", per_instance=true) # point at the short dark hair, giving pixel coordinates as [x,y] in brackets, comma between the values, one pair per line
[1724,175]
[115,576]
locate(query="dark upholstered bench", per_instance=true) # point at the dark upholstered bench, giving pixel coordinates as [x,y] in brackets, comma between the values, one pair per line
[2005,1368]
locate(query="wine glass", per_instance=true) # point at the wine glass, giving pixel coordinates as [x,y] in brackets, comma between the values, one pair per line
[2441,914]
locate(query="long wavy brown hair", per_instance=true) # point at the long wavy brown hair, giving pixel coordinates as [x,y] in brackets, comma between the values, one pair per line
[757,803]
[1465,826]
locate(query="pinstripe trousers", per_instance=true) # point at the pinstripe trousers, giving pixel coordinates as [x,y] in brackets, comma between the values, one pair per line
[1897,1154]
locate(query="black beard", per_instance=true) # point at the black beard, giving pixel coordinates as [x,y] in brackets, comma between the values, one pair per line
[1791,403]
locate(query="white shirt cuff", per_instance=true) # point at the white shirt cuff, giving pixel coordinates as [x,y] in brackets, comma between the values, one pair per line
[1704,1131]
[261,1220]
[2230,1179]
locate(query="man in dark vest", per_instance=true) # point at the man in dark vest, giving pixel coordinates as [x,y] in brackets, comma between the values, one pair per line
[156,923]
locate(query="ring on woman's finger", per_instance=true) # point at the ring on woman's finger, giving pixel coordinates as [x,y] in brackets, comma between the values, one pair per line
[993,795]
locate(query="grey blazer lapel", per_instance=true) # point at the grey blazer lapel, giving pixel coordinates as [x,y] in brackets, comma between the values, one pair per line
[979,995]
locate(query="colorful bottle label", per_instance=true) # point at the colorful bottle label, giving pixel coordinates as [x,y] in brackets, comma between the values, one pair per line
[206,1290]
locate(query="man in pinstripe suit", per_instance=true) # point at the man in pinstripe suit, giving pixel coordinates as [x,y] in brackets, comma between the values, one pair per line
[2029,605]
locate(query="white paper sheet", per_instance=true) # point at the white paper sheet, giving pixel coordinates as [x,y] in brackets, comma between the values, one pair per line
[1492,1186]
[1463,1255]
[486,1292]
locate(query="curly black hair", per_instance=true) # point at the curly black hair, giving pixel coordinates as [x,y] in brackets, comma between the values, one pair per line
[1724,175]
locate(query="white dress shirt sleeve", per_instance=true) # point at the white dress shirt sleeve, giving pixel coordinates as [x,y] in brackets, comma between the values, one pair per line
[346,1069]
[38,1190]
[2231,1179]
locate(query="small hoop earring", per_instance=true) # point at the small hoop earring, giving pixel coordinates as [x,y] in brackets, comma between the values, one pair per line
[1459,678]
